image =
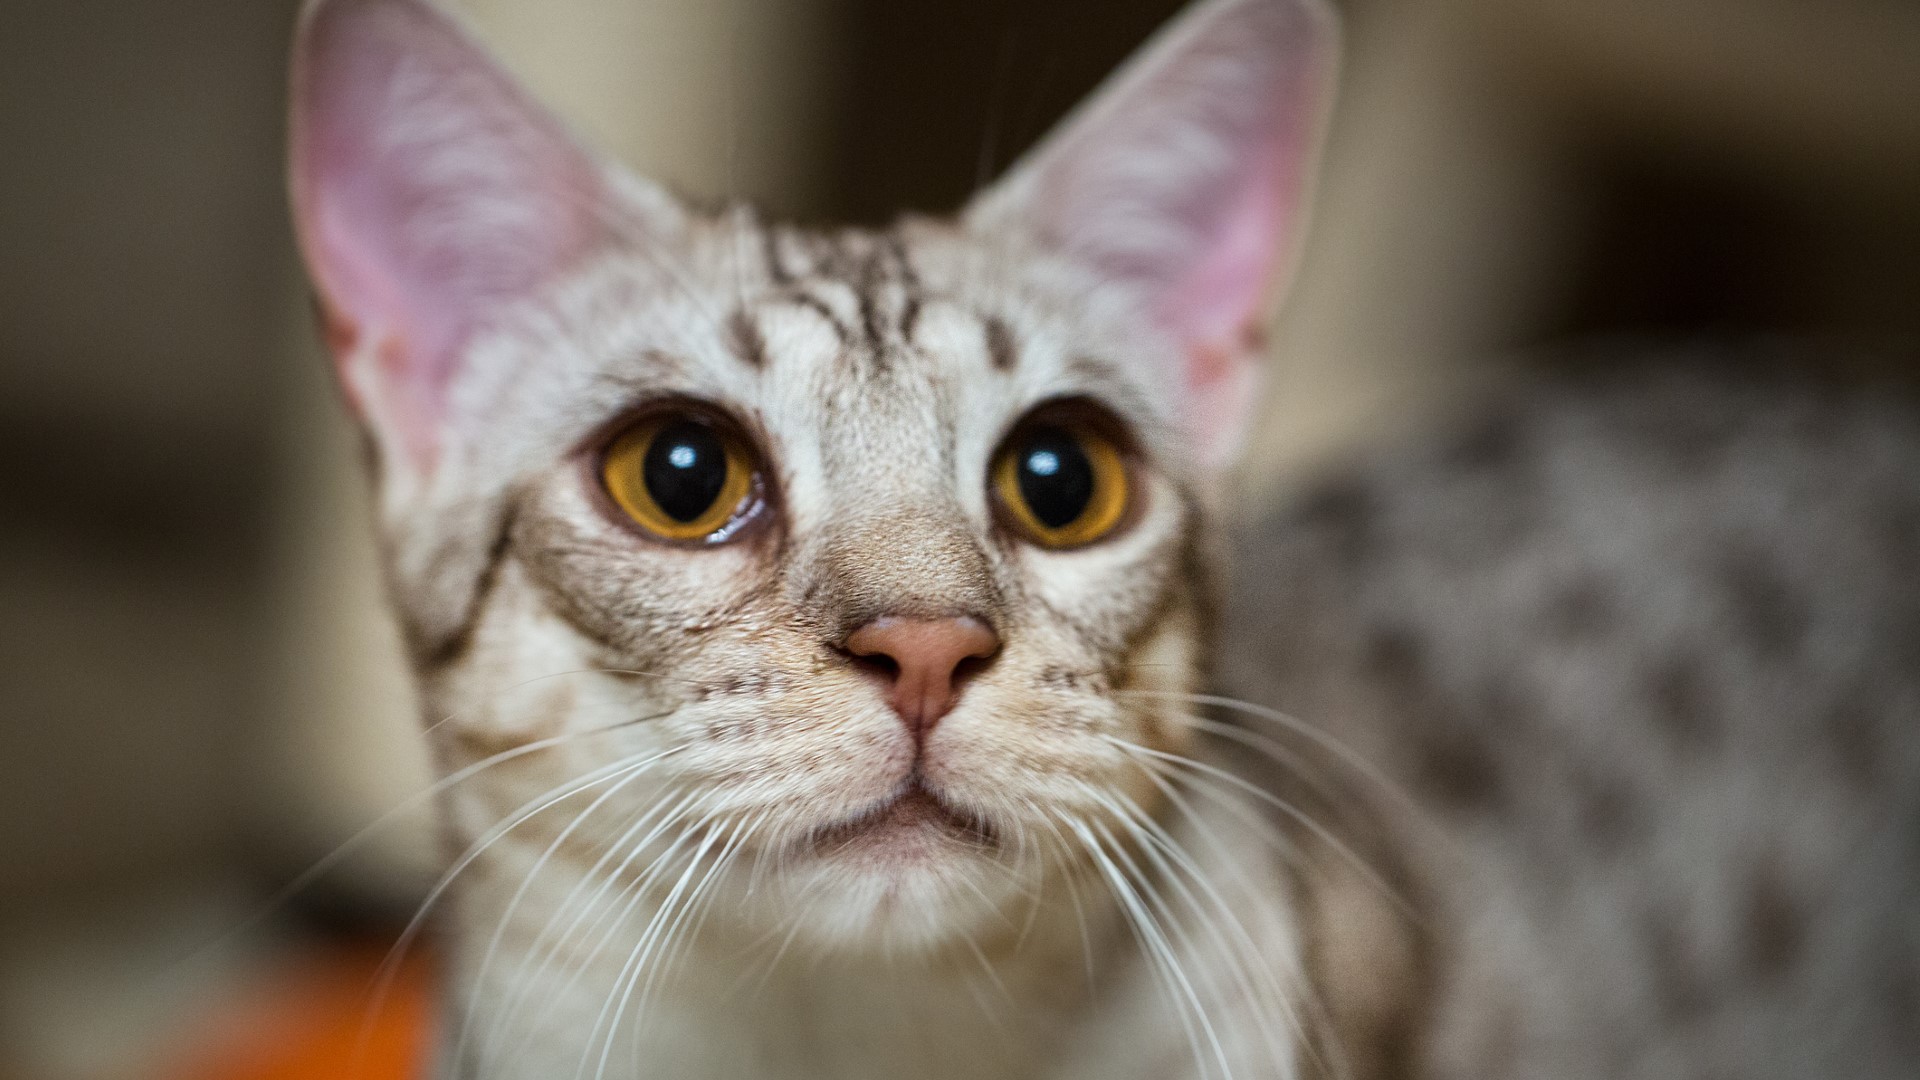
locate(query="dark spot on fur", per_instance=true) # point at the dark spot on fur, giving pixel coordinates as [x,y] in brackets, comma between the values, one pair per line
[1610,814]
[1582,611]
[1393,656]
[1502,705]
[1683,991]
[1460,771]
[1853,733]
[1345,514]
[1762,604]
[748,343]
[1682,705]
[1773,926]
[1002,350]
[1345,507]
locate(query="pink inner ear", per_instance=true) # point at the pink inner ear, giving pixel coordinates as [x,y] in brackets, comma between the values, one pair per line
[429,192]
[1214,304]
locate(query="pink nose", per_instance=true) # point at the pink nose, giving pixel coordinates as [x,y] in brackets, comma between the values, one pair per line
[924,660]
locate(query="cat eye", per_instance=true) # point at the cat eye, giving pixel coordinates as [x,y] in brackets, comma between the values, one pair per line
[681,476]
[1062,484]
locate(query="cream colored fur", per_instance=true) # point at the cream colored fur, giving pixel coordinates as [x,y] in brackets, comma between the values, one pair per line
[653,751]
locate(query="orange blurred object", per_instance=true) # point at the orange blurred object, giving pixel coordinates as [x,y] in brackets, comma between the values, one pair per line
[321,1021]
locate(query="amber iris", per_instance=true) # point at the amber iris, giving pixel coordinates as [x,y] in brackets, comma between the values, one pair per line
[680,477]
[1063,485]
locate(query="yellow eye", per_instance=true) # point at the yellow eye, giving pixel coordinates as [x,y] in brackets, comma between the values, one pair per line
[680,477]
[1062,484]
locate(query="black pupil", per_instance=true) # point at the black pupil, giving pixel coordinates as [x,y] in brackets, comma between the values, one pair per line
[685,469]
[1055,477]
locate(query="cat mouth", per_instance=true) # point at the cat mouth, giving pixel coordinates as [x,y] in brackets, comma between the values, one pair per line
[914,813]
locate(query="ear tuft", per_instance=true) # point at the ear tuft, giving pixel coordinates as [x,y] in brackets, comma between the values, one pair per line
[428,191]
[1183,179]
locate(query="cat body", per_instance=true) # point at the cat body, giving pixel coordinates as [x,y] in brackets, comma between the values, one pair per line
[1633,661]
[809,623]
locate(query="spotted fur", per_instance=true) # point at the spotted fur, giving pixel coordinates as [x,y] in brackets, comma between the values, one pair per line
[1637,658]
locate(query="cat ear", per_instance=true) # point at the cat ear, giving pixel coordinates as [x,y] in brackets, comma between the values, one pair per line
[1182,180]
[429,191]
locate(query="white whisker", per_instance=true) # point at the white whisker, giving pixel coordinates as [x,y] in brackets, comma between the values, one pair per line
[1142,885]
[1351,757]
[1292,812]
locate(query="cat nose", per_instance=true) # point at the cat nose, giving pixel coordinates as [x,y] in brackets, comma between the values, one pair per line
[925,660]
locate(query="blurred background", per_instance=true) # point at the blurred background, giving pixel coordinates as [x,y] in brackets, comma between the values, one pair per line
[198,686]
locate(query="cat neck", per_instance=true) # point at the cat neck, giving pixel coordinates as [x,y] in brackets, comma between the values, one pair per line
[730,1002]
[1062,990]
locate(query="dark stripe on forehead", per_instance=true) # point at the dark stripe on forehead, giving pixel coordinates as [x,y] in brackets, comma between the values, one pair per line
[830,255]
[909,316]
[745,337]
[776,265]
[903,263]
[913,293]
[1002,350]
[821,308]
[873,277]
[870,316]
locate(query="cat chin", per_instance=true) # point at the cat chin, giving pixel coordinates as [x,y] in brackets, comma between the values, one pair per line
[909,877]
[922,911]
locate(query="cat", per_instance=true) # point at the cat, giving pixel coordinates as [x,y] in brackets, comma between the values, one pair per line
[811,625]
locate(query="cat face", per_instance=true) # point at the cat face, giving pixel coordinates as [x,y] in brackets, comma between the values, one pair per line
[854,568]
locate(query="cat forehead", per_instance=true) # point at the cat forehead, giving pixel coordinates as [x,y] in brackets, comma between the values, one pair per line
[858,334]
[863,361]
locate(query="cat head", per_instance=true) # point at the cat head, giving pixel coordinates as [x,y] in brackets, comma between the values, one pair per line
[872,555]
